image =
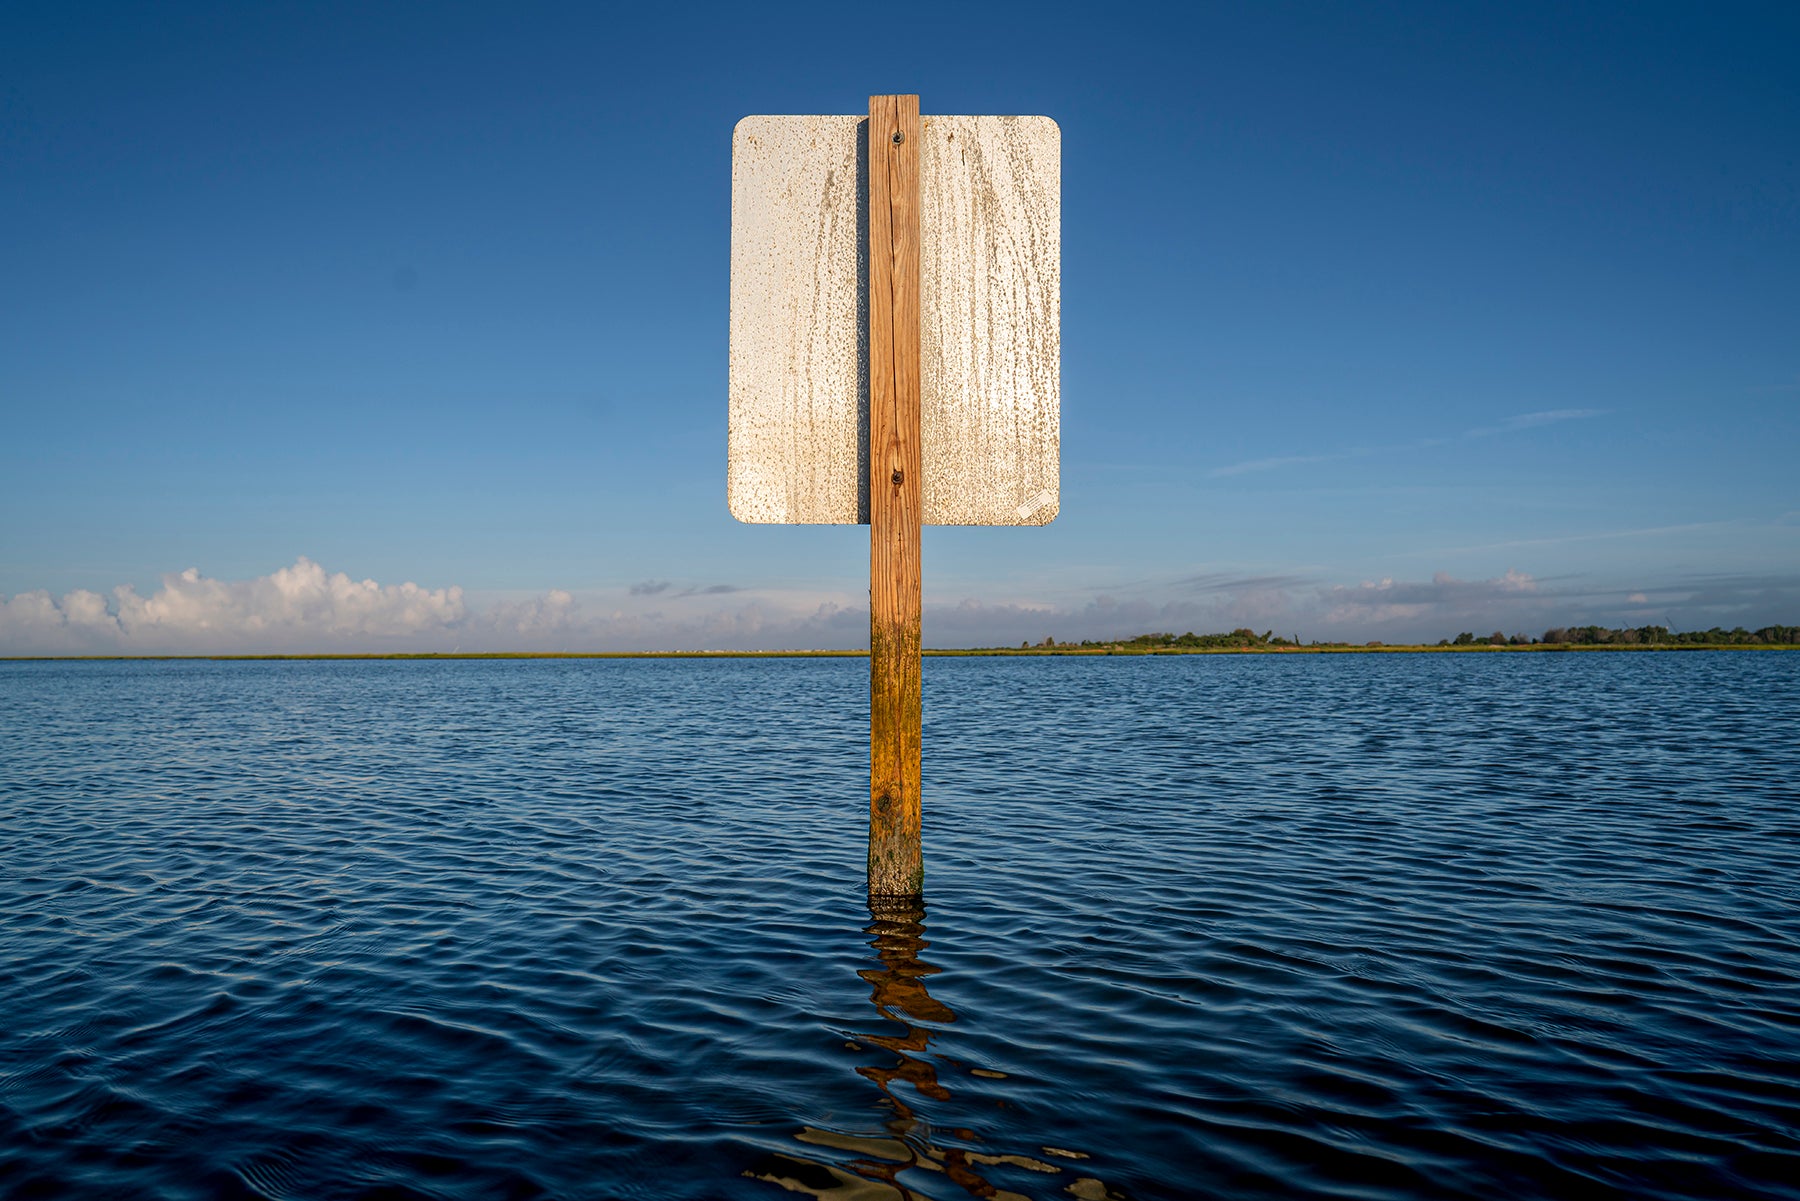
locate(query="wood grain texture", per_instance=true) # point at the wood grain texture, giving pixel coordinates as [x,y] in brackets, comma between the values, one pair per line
[895,862]
[990,317]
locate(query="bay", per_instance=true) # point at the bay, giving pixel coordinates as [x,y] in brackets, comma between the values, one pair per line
[1383,926]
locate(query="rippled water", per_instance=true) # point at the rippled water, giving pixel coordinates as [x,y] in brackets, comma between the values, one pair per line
[1371,926]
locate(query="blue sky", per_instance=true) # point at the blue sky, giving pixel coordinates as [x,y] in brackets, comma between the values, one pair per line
[404,326]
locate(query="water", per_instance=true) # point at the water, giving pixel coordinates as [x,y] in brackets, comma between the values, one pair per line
[1372,927]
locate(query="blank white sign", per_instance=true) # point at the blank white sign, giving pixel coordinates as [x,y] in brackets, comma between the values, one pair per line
[990,320]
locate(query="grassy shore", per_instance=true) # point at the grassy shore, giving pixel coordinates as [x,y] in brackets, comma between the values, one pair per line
[992,651]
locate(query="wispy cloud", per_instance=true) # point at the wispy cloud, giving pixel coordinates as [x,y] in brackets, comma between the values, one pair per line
[1565,539]
[1507,425]
[1227,582]
[1526,421]
[1253,465]
[665,588]
[1388,609]
[1734,598]
[1443,598]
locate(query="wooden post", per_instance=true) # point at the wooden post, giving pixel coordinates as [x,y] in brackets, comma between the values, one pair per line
[896,866]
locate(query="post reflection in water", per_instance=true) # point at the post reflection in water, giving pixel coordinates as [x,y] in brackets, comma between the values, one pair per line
[869,1163]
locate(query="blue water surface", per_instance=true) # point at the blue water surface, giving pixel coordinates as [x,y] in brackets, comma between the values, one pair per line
[1374,926]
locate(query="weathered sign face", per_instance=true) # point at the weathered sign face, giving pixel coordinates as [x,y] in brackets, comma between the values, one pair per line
[990,320]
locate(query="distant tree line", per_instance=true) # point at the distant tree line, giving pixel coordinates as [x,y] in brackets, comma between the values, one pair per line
[1240,639]
[1661,636]
[1246,639]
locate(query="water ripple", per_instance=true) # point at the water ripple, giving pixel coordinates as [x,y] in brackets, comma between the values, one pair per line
[1371,927]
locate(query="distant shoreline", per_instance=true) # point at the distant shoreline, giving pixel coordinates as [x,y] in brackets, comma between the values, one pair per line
[989,652]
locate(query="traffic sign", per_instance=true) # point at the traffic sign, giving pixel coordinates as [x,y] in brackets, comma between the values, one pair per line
[990,258]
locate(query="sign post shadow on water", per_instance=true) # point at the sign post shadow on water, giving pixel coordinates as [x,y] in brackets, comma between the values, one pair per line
[895,361]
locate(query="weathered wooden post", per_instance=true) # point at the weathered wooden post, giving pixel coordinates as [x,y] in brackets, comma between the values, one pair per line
[895,345]
[896,864]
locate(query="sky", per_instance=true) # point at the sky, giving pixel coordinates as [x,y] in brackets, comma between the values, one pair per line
[403,327]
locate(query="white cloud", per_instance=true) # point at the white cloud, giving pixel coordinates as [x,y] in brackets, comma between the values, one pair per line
[296,608]
[304,608]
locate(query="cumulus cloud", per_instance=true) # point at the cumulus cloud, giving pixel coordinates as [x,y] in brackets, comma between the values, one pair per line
[293,608]
[304,608]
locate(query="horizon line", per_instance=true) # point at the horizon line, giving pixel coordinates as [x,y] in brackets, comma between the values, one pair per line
[1105,649]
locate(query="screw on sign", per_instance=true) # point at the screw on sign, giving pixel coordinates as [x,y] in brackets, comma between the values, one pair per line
[895,351]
